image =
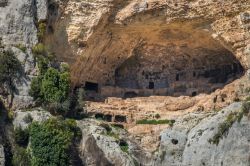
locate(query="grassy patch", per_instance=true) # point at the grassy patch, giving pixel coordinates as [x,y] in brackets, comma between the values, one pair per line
[155,122]
[21,47]
[124,148]
[113,135]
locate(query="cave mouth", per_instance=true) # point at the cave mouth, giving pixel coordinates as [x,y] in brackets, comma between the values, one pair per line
[181,59]
[184,74]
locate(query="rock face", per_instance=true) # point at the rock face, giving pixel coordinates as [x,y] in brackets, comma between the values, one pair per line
[18,32]
[2,160]
[153,47]
[23,119]
[98,148]
[17,24]
[187,143]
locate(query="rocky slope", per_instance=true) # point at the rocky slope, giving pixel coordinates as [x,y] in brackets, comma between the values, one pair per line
[192,146]
[18,32]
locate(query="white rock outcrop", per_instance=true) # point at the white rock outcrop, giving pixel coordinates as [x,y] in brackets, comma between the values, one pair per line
[187,143]
[97,148]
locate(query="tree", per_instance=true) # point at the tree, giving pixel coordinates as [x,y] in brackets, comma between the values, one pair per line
[50,142]
[35,87]
[55,86]
[10,69]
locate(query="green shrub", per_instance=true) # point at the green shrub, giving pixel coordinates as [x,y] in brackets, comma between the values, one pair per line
[21,47]
[227,124]
[124,146]
[20,157]
[35,88]
[50,142]
[41,30]
[55,86]
[39,50]
[223,128]
[21,136]
[10,69]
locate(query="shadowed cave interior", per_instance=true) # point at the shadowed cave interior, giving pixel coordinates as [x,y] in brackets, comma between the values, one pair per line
[172,62]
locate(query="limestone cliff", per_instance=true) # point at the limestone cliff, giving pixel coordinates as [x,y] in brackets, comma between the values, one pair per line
[18,32]
[128,48]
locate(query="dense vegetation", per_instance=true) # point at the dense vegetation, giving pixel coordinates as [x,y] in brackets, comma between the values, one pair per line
[52,86]
[50,143]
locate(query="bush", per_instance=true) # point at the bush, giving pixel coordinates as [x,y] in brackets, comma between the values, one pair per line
[50,142]
[55,86]
[35,88]
[10,69]
[20,157]
[41,30]
[21,47]
[227,124]
[39,50]
[21,136]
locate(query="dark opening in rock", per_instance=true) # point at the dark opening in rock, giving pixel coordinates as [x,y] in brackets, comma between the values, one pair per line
[90,86]
[99,116]
[151,85]
[177,77]
[130,95]
[120,118]
[194,94]
[123,143]
[108,118]
[50,29]
[174,141]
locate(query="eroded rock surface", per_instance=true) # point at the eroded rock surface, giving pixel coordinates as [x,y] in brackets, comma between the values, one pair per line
[24,118]
[99,148]
[18,32]
[187,143]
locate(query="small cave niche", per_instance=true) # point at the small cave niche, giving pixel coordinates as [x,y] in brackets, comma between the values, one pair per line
[174,141]
[50,29]
[107,118]
[91,86]
[53,9]
[177,77]
[122,143]
[151,85]
[99,116]
[130,94]
[120,119]
[194,94]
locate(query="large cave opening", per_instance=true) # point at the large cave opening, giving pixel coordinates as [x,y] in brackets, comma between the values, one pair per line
[153,59]
[176,71]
